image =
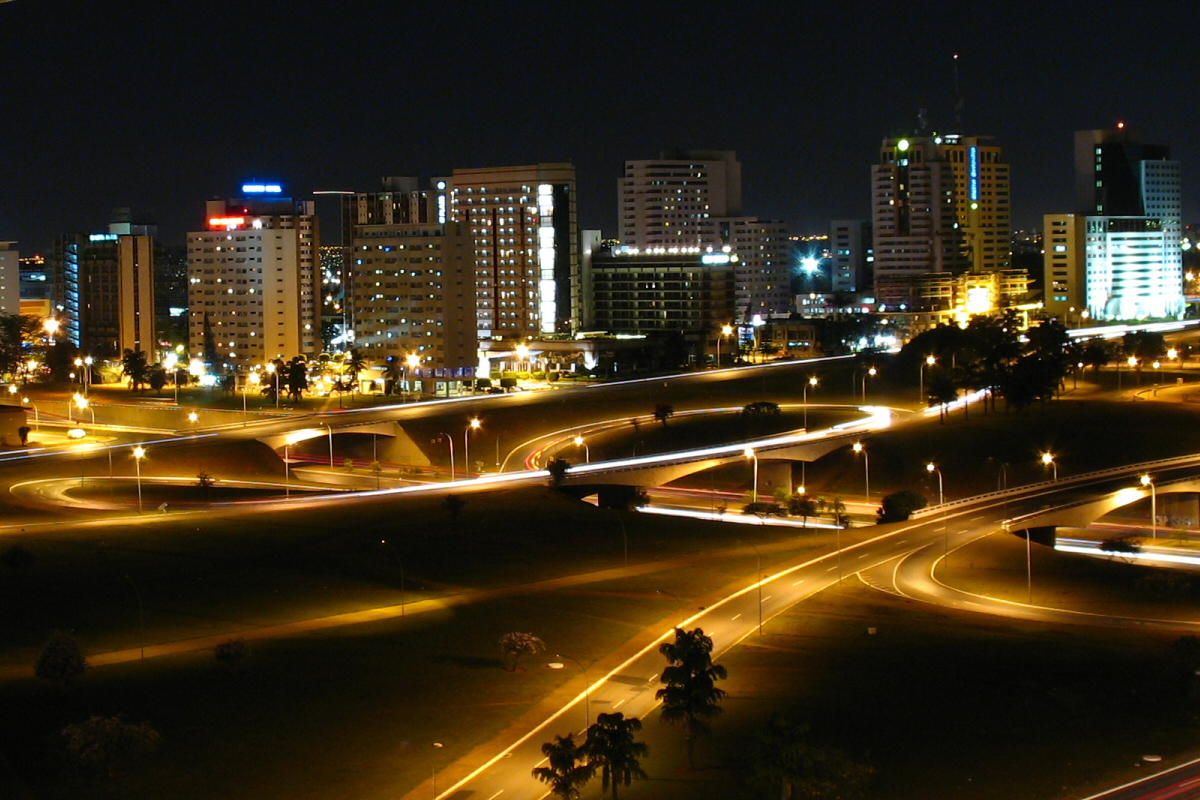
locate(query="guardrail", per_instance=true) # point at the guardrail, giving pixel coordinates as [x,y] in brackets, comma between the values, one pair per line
[1087,501]
[1177,461]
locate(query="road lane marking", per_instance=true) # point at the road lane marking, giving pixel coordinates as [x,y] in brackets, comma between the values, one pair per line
[618,704]
[768,597]
[831,569]
[497,794]
[543,761]
[797,583]
[864,555]
[733,618]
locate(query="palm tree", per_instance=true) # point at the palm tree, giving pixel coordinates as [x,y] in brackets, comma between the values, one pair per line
[801,505]
[690,695]
[836,509]
[134,367]
[786,765]
[568,769]
[611,748]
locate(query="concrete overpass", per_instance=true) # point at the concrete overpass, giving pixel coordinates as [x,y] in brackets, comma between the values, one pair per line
[1175,500]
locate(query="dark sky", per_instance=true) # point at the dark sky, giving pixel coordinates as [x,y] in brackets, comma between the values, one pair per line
[162,105]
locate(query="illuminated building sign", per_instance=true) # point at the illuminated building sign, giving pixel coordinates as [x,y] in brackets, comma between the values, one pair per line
[973,166]
[229,223]
[102,237]
[261,188]
[715,258]
[547,306]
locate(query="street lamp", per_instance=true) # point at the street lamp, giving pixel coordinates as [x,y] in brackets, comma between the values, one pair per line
[81,403]
[858,448]
[36,422]
[749,453]
[401,565]
[1148,481]
[522,353]
[812,381]
[139,453]
[726,330]
[473,426]
[587,452]
[288,441]
[1048,461]
[450,441]
[928,362]
[872,372]
[587,700]
[412,361]
[931,467]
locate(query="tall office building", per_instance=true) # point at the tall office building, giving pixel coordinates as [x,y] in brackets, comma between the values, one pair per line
[939,204]
[252,279]
[524,236]
[849,243]
[410,287]
[107,292]
[688,199]
[10,278]
[1119,256]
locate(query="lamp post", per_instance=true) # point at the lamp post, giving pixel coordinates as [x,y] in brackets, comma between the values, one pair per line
[928,362]
[193,417]
[758,580]
[450,441]
[1048,461]
[1148,481]
[437,745]
[871,372]
[726,330]
[812,381]
[472,426]
[330,429]
[412,361]
[139,453]
[587,699]
[81,403]
[273,370]
[858,448]
[674,597]
[587,452]
[288,441]
[749,453]
[931,467]
[399,563]
[36,421]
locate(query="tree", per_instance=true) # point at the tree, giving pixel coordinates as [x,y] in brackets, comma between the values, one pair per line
[157,377]
[205,483]
[622,498]
[232,653]
[803,506]
[786,765]
[134,368]
[760,408]
[61,659]
[558,469]
[352,364]
[836,509]
[690,696]
[567,769]
[295,377]
[1124,547]
[454,504]
[109,744]
[611,748]
[517,644]
[663,412]
[17,558]
[941,391]
[898,506]
[23,432]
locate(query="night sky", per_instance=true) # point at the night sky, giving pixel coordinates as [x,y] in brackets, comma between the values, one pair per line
[161,105]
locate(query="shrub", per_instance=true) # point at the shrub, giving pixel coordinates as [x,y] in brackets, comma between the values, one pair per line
[899,506]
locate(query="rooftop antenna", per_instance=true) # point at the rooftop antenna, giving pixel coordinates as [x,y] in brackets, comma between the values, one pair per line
[922,118]
[958,99]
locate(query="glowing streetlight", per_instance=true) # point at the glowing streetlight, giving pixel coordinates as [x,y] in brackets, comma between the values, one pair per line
[1148,481]
[411,361]
[931,467]
[36,421]
[51,326]
[472,426]
[871,372]
[749,453]
[522,352]
[587,453]
[812,381]
[858,448]
[139,453]
[450,441]
[1048,461]
[726,330]
[82,403]
[193,417]
[928,362]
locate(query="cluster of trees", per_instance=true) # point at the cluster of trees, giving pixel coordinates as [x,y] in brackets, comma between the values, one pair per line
[799,505]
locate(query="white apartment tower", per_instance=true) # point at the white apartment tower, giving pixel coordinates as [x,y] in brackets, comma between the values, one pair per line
[524,234]
[939,203]
[10,278]
[690,201]
[253,279]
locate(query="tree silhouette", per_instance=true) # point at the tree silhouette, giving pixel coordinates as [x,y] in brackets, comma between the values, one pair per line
[558,469]
[62,659]
[611,748]
[109,744]
[133,367]
[567,770]
[786,765]
[690,696]
[663,412]
[517,644]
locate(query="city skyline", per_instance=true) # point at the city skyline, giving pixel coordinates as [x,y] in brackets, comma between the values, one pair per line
[162,110]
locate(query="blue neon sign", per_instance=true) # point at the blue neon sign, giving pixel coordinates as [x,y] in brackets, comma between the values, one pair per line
[261,188]
[973,166]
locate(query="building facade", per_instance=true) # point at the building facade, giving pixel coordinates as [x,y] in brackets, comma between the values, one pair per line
[524,238]
[10,278]
[939,204]
[849,253]
[252,280]
[107,292]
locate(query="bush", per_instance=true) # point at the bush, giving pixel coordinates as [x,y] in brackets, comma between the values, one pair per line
[899,506]
[764,509]
[232,653]
[62,659]
[1122,546]
[109,743]
[622,498]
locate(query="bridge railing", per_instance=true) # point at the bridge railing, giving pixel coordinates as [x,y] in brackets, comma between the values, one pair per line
[1085,477]
[1090,500]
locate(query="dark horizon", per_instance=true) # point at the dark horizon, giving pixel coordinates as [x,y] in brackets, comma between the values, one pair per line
[163,107]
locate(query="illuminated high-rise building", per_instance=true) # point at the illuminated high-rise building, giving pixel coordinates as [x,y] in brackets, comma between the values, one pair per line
[106,283]
[525,240]
[252,279]
[691,201]
[940,203]
[10,278]
[1119,256]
